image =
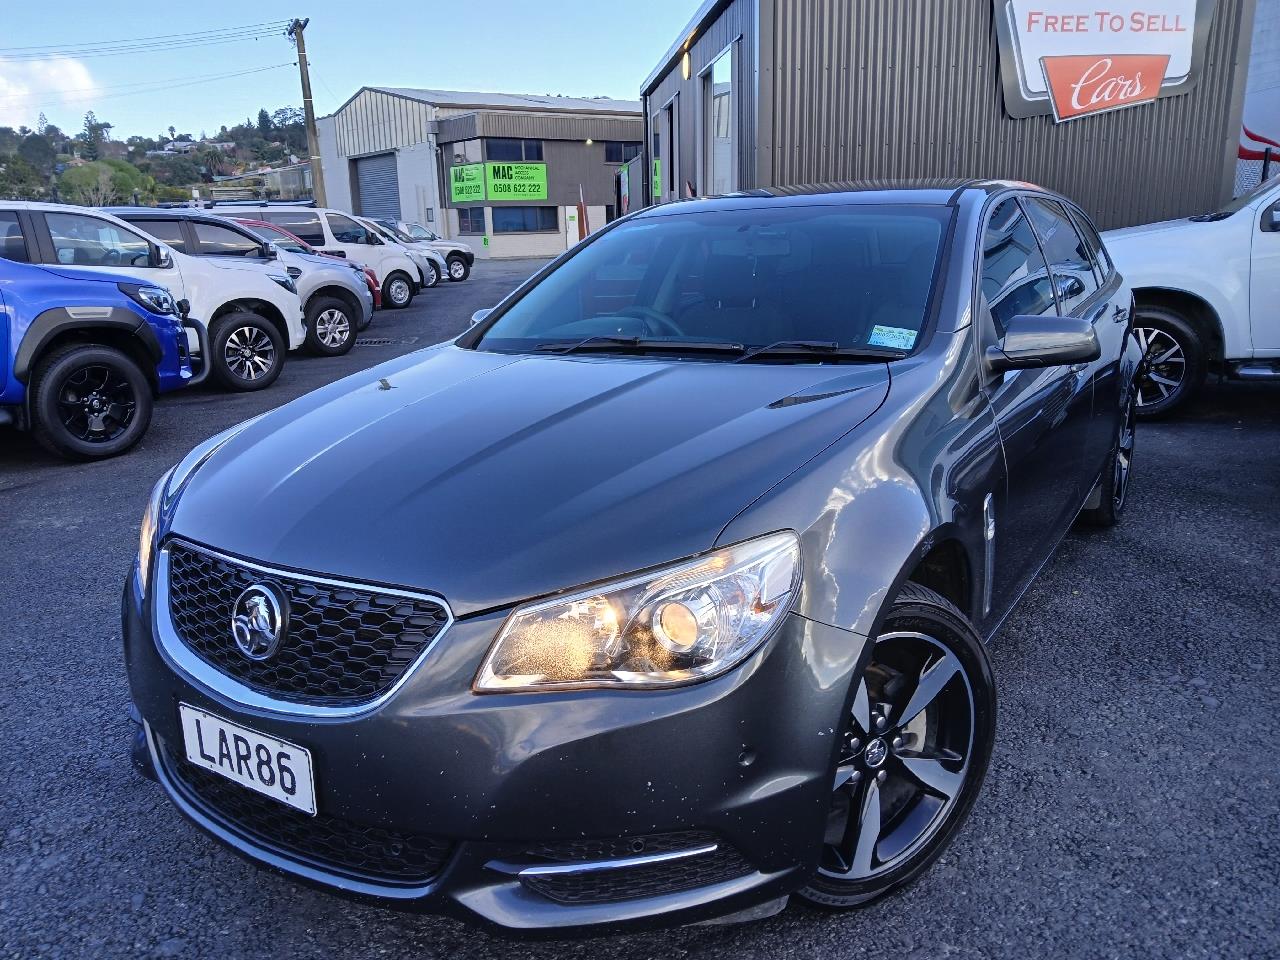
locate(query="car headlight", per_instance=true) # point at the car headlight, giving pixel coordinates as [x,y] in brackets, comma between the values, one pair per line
[286,282]
[685,622]
[155,299]
[151,527]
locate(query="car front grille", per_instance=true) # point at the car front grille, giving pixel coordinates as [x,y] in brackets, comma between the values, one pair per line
[327,842]
[635,881]
[344,645]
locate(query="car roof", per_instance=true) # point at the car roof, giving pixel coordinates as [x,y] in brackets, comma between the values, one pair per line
[163,213]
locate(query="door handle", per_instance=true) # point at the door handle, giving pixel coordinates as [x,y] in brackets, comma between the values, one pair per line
[1120,314]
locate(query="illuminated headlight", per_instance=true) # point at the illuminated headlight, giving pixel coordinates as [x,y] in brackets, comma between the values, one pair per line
[155,299]
[686,622]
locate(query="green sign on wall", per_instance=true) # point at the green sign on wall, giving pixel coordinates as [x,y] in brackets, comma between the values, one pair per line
[516,181]
[466,182]
[657,177]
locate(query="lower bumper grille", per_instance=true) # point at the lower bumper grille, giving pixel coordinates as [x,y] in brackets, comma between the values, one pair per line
[327,842]
[707,861]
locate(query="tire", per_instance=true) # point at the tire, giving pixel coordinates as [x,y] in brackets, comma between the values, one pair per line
[883,767]
[458,268]
[1114,483]
[89,402]
[331,327]
[433,275]
[1168,337]
[245,331]
[397,291]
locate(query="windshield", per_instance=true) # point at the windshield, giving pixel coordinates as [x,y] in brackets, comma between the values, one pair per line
[849,276]
[1246,199]
[407,231]
[283,240]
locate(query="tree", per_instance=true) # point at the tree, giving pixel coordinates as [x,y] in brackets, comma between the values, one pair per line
[173,131]
[21,181]
[177,171]
[215,162]
[104,182]
[42,124]
[93,136]
[264,122]
[38,152]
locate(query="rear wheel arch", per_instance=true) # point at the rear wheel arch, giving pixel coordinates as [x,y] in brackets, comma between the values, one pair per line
[122,330]
[264,308]
[338,293]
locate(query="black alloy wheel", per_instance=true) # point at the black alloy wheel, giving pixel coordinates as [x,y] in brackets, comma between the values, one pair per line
[913,754]
[89,402]
[1116,475]
[1173,361]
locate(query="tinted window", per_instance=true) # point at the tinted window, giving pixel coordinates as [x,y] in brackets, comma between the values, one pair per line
[12,246]
[281,238]
[620,151]
[219,241]
[1101,261]
[1068,257]
[1015,279]
[853,275]
[525,219]
[88,241]
[509,148]
[346,230]
[167,231]
[471,220]
[305,225]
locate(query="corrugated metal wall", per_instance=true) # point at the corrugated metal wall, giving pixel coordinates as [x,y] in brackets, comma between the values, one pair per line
[374,121]
[871,88]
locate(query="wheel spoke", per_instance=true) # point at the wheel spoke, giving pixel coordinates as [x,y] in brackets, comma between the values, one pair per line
[932,680]
[844,775]
[862,707]
[933,774]
[868,828]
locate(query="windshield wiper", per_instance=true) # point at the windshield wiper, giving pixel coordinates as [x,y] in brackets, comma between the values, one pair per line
[608,341]
[821,349]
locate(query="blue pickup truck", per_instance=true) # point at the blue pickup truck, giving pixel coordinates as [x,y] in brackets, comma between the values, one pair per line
[83,354]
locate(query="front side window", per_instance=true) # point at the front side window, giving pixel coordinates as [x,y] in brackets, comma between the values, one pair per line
[1101,260]
[471,220]
[89,242]
[218,241]
[303,224]
[346,230]
[719,125]
[281,238]
[1068,257]
[852,276]
[166,231]
[1015,279]
[525,219]
[12,246]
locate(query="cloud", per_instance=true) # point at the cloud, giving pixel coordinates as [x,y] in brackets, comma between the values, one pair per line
[29,86]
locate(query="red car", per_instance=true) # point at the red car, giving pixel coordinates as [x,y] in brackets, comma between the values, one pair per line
[287,241]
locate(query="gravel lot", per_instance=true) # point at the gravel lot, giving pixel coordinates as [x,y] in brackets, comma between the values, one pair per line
[1132,809]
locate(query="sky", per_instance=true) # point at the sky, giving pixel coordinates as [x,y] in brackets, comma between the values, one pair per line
[573,47]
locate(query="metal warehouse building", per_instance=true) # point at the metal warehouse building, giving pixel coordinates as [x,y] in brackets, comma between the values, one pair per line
[504,171]
[1131,108]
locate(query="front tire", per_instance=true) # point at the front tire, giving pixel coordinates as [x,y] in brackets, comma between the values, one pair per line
[89,402]
[331,327]
[397,291]
[432,275]
[1115,475]
[458,269]
[1173,361]
[913,753]
[248,351]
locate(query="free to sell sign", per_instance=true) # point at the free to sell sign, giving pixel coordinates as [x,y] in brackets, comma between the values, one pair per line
[1073,58]
[466,182]
[516,181]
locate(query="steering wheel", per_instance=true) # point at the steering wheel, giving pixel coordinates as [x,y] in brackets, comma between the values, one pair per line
[111,258]
[660,321]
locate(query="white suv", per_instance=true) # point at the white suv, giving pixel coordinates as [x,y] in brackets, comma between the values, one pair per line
[332,231]
[459,257]
[1205,290]
[249,310]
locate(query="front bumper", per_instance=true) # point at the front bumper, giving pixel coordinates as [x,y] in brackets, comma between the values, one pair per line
[552,811]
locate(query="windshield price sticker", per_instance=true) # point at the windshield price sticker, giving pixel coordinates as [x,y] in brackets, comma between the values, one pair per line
[516,181]
[899,338]
[466,182]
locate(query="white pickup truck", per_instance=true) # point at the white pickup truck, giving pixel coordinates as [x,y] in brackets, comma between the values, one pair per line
[1207,291]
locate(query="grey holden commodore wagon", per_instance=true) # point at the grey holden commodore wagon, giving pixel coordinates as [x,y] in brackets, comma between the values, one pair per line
[660,594]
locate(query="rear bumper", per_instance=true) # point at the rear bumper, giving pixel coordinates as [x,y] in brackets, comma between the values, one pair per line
[551,811]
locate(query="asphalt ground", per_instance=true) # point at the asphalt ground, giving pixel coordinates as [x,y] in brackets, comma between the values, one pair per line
[1132,808]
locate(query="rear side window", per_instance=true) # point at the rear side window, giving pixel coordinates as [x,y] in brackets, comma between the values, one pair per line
[87,241]
[1068,257]
[12,246]
[1015,278]
[303,224]
[1101,261]
[166,231]
[219,241]
[346,230]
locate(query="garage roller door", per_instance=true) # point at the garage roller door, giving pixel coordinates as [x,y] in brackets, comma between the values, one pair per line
[379,186]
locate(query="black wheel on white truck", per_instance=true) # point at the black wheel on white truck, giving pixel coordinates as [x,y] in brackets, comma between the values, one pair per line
[1173,361]
[248,351]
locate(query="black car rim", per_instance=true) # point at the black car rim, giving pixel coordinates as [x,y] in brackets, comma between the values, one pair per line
[1164,366]
[1124,461]
[903,759]
[96,403]
[457,269]
[398,291]
[249,353]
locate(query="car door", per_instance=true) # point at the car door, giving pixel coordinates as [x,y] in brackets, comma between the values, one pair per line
[1042,415]
[1264,282]
[89,242]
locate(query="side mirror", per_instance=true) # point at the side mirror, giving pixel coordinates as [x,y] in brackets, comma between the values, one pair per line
[184,308]
[269,251]
[373,239]
[160,258]
[1272,220]
[479,315]
[1032,342]
[1068,287]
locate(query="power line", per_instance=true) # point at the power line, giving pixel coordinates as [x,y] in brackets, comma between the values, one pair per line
[167,85]
[136,49]
[271,24]
[153,82]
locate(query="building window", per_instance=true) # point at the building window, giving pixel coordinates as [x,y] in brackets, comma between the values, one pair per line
[525,220]
[718,122]
[471,220]
[466,151]
[510,149]
[621,151]
[670,143]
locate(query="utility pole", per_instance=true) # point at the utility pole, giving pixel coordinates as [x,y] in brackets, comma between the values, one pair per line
[295,31]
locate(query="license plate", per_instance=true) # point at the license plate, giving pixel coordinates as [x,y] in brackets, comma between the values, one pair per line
[274,768]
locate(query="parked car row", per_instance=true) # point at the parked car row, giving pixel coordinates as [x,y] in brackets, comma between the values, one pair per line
[103,309]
